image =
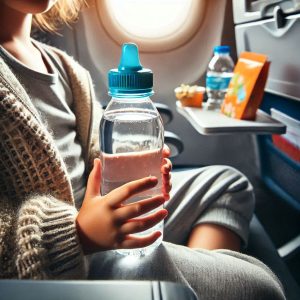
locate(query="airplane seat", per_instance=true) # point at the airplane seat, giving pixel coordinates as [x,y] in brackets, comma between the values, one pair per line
[261,247]
[272,27]
[280,173]
[280,161]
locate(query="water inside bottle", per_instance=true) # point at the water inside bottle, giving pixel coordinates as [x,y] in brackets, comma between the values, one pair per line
[216,88]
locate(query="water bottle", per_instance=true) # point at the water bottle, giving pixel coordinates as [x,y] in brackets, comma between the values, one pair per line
[218,76]
[131,134]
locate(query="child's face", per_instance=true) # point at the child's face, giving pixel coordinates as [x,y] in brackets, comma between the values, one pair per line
[29,6]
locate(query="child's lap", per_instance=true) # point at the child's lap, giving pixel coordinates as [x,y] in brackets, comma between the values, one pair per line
[212,274]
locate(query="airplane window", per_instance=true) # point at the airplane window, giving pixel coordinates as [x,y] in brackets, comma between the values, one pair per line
[155,25]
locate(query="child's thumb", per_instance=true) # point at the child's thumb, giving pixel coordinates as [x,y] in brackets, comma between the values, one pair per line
[94,180]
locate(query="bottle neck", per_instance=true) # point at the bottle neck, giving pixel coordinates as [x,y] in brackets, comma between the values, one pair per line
[117,103]
[131,98]
[221,54]
[134,95]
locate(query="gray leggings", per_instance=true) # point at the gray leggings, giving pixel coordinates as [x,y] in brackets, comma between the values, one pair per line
[215,194]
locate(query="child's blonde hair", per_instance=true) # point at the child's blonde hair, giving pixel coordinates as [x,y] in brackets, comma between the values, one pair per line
[63,11]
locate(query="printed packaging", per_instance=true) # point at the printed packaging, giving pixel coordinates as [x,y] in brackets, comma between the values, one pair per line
[246,88]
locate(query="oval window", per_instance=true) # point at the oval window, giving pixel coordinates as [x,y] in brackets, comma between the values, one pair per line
[155,25]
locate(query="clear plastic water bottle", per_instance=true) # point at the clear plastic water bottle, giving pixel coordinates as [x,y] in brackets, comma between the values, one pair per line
[218,76]
[131,134]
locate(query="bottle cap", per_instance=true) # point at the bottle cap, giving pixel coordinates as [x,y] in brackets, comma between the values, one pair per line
[221,49]
[130,77]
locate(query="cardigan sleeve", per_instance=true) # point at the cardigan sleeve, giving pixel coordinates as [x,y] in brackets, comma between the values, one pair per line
[95,141]
[39,240]
[95,144]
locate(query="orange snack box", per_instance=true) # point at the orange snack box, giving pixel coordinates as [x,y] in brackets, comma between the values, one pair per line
[190,95]
[246,88]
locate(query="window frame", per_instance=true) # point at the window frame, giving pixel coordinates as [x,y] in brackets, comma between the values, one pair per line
[167,43]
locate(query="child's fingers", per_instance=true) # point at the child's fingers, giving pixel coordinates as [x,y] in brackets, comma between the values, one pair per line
[142,224]
[138,241]
[166,196]
[119,195]
[166,178]
[166,166]
[137,209]
[93,184]
[167,185]
[166,151]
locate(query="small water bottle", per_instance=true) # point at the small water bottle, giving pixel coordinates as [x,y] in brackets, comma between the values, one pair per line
[131,134]
[218,76]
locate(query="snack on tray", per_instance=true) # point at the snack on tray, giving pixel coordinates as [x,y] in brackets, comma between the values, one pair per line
[190,95]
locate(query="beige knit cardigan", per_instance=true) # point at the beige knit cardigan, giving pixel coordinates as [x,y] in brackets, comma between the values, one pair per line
[38,237]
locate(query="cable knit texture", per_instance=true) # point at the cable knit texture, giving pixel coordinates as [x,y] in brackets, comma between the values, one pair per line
[37,215]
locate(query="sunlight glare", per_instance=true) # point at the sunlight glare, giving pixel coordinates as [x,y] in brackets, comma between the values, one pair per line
[150,18]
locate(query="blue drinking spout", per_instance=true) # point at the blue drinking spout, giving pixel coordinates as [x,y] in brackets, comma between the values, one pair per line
[130,60]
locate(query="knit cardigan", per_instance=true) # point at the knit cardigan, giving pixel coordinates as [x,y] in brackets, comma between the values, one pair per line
[38,237]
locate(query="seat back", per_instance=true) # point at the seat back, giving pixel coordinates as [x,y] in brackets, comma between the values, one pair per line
[278,169]
[280,172]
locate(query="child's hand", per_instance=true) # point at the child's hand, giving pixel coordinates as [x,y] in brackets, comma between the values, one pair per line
[105,223]
[166,175]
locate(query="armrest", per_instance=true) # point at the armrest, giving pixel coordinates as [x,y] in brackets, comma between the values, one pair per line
[261,247]
[93,290]
[174,143]
[165,112]
[290,249]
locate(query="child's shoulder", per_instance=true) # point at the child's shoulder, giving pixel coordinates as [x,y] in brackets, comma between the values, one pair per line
[67,60]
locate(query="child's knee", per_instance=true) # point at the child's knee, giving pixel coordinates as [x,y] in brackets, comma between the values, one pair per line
[264,285]
[252,278]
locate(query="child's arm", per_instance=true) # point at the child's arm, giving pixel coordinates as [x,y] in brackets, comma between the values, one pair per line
[107,223]
[38,240]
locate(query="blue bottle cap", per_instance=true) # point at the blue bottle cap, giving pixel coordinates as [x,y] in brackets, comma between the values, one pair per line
[221,49]
[130,78]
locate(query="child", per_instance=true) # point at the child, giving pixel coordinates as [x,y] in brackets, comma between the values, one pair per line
[46,124]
